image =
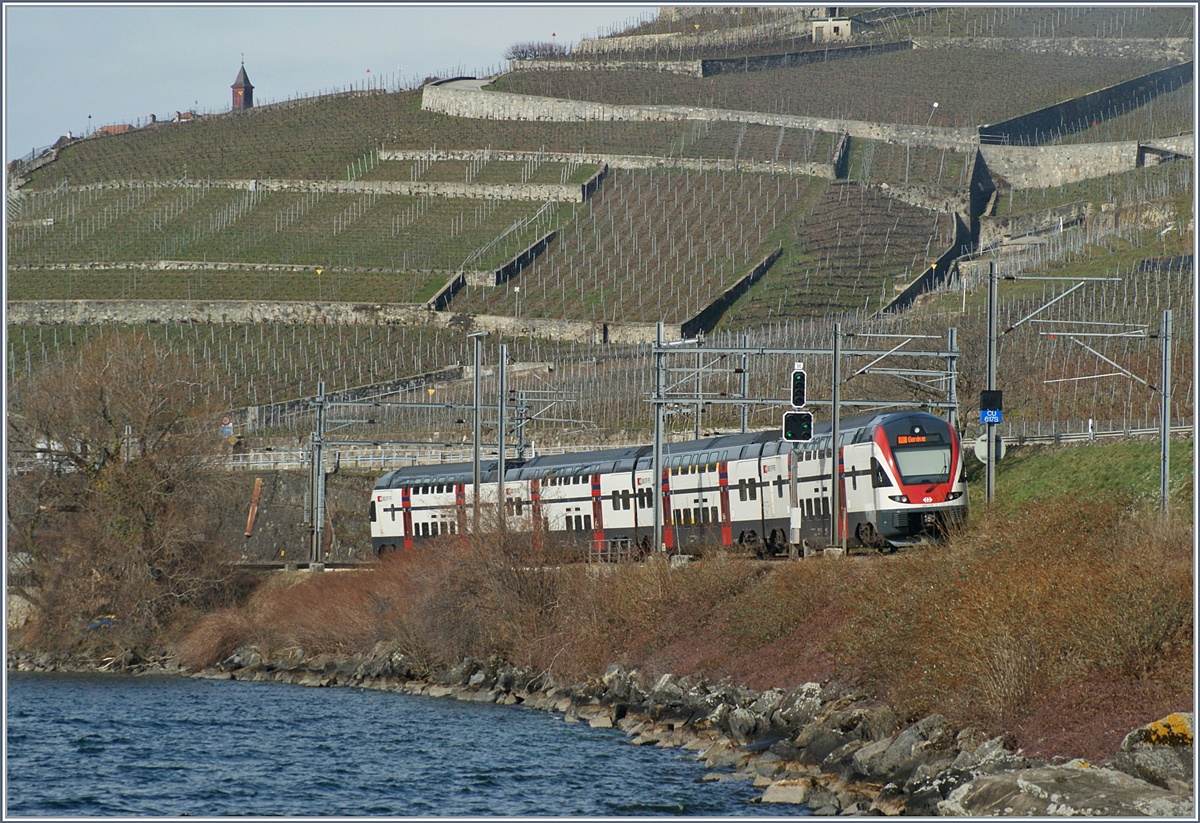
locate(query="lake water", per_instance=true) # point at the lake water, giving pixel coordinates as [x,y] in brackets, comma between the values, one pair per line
[112,745]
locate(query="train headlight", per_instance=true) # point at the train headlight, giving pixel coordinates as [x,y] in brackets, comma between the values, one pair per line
[899,498]
[953,496]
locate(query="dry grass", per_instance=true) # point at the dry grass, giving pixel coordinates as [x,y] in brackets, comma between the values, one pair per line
[999,630]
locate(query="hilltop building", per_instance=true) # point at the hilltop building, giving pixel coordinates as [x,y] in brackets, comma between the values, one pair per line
[831,28]
[243,92]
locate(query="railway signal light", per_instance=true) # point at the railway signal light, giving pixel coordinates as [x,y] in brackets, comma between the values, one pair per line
[798,381]
[797,427]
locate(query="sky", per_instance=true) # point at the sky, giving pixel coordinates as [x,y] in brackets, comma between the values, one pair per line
[75,67]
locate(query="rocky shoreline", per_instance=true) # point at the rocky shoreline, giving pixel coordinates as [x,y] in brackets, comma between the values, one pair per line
[835,752]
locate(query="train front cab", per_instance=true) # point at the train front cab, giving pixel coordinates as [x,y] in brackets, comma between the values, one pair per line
[903,481]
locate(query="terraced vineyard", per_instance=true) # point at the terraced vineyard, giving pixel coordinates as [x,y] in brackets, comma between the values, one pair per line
[652,246]
[605,387]
[306,229]
[970,86]
[852,251]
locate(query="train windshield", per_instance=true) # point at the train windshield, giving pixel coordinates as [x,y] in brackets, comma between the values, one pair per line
[921,446]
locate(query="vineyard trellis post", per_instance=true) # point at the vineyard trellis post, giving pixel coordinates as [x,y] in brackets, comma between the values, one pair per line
[1165,421]
[318,479]
[477,338]
[501,402]
[835,473]
[656,471]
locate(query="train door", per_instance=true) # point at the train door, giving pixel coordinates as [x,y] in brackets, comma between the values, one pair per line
[643,509]
[618,501]
[775,492]
[859,493]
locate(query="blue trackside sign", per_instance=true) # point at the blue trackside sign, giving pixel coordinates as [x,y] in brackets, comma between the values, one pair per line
[990,405]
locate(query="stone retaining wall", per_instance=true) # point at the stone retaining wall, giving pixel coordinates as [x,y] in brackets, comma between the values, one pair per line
[469,102]
[708,67]
[140,312]
[1031,167]
[995,230]
[1149,48]
[792,23]
[569,193]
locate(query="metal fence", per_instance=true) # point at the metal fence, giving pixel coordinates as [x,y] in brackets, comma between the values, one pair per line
[383,458]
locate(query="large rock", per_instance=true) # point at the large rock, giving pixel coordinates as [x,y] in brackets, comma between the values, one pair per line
[1076,788]
[1162,752]
[923,743]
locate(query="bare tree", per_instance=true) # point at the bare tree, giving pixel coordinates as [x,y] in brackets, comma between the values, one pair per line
[113,507]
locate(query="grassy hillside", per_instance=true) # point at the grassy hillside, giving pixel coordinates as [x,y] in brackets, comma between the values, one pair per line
[1124,469]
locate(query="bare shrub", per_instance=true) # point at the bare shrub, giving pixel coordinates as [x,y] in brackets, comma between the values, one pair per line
[534,51]
[1019,605]
[217,636]
[1145,587]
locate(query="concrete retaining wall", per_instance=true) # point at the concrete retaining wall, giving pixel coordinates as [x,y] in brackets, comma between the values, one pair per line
[767,62]
[509,270]
[935,275]
[1078,113]
[707,318]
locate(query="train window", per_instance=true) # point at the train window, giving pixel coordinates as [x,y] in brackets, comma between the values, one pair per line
[587,522]
[701,515]
[625,500]
[372,515]
[615,502]
[753,490]
[716,515]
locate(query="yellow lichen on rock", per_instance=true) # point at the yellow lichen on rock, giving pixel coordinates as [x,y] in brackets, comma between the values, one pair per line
[1172,730]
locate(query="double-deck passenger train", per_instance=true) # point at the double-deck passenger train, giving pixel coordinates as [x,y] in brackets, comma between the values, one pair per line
[901,482]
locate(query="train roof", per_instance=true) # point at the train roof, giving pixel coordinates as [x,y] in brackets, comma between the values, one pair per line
[576,463]
[631,458]
[438,473]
